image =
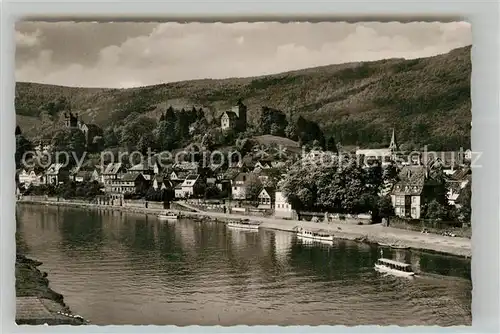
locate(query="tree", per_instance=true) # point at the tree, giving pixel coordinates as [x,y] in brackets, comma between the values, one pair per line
[343,189]
[374,178]
[23,145]
[70,141]
[110,137]
[272,121]
[291,131]
[97,144]
[253,187]
[212,192]
[299,186]
[273,177]
[132,131]
[244,146]
[391,173]
[331,145]
[385,207]
[146,142]
[436,210]
[308,131]
[437,188]
[464,201]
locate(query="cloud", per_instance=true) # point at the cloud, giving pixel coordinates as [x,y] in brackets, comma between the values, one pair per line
[174,51]
[28,39]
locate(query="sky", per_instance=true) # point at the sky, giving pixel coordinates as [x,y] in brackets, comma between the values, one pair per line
[131,54]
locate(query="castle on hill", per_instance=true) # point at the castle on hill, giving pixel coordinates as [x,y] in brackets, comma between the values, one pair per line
[90,131]
[236,118]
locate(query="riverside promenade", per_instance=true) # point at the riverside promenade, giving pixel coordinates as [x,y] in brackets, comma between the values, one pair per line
[375,233]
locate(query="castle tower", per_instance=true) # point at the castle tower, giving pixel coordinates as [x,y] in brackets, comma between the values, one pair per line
[393,146]
[71,120]
[241,112]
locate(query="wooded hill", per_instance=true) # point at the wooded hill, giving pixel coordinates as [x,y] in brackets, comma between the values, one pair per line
[426,100]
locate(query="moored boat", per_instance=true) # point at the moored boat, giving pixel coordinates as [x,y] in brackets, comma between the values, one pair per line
[319,235]
[392,267]
[245,224]
[394,246]
[167,216]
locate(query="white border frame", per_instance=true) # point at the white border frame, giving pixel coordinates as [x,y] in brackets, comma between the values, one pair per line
[485,131]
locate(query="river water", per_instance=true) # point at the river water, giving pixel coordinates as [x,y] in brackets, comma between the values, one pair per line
[124,268]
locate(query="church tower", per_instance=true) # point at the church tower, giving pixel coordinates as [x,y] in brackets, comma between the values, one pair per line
[393,146]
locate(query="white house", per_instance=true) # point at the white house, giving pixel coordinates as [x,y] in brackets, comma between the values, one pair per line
[29,177]
[266,198]
[190,187]
[281,206]
[56,174]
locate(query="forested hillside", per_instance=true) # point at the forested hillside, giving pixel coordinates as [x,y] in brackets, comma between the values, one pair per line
[426,100]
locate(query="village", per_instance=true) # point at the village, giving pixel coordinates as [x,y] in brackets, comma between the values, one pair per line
[423,186]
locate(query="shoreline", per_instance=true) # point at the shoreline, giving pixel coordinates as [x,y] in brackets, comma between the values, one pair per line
[36,302]
[361,233]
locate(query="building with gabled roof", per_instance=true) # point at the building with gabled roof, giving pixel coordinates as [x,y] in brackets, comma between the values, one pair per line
[113,171]
[407,193]
[56,173]
[128,183]
[191,187]
[266,198]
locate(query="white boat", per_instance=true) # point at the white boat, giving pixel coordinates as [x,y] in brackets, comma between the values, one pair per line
[167,216]
[392,267]
[393,246]
[315,235]
[243,224]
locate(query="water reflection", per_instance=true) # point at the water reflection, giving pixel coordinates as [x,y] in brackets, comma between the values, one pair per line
[121,268]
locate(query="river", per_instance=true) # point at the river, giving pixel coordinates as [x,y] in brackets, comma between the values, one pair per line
[123,268]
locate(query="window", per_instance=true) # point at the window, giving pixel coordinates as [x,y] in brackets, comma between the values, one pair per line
[413,212]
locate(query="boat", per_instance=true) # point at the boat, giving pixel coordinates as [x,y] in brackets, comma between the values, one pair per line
[392,267]
[245,224]
[167,216]
[314,235]
[399,247]
[394,246]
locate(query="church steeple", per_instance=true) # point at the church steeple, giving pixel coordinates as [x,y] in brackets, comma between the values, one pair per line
[393,146]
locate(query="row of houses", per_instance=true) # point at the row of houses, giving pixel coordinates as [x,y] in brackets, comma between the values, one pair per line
[187,179]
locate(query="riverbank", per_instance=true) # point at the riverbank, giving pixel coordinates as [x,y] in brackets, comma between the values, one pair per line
[36,302]
[364,233]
